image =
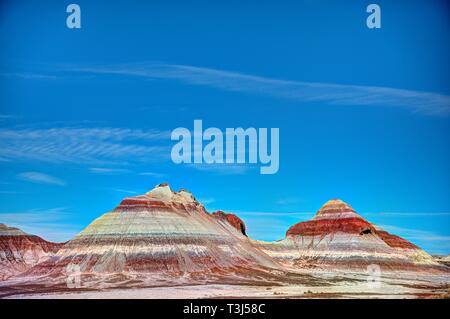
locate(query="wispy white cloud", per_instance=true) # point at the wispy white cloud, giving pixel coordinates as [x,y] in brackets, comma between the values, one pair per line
[122,190]
[46,223]
[288,201]
[54,232]
[223,169]
[103,145]
[416,234]
[409,214]
[268,228]
[40,178]
[432,242]
[34,215]
[9,192]
[30,76]
[108,170]
[270,225]
[206,201]
[126,191]
[101,133]
[300,215]
[338,94]
[152,174]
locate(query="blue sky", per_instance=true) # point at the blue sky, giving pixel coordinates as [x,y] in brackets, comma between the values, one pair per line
[86,115]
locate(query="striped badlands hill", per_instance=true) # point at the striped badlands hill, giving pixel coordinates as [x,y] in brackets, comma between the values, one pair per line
[20,251]
[337,237]
[160,232]
[231,219]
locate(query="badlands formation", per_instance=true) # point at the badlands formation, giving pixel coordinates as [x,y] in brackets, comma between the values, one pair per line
[338,238]
[164,244]
[160,238]
[20,251]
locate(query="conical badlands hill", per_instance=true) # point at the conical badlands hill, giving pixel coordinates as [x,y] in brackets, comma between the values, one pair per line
[337,237]
[20,251]
[160,232]
[165,237]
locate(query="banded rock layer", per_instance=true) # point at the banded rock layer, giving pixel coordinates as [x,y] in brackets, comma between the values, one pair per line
[20,251]
[164,232]
[231,219]
[337,237]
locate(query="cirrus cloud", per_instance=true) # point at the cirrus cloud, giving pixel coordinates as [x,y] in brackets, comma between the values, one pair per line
[104,145]
[40,178]
[429,103]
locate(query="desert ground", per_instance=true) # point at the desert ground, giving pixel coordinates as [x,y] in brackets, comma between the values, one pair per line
[393,285]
